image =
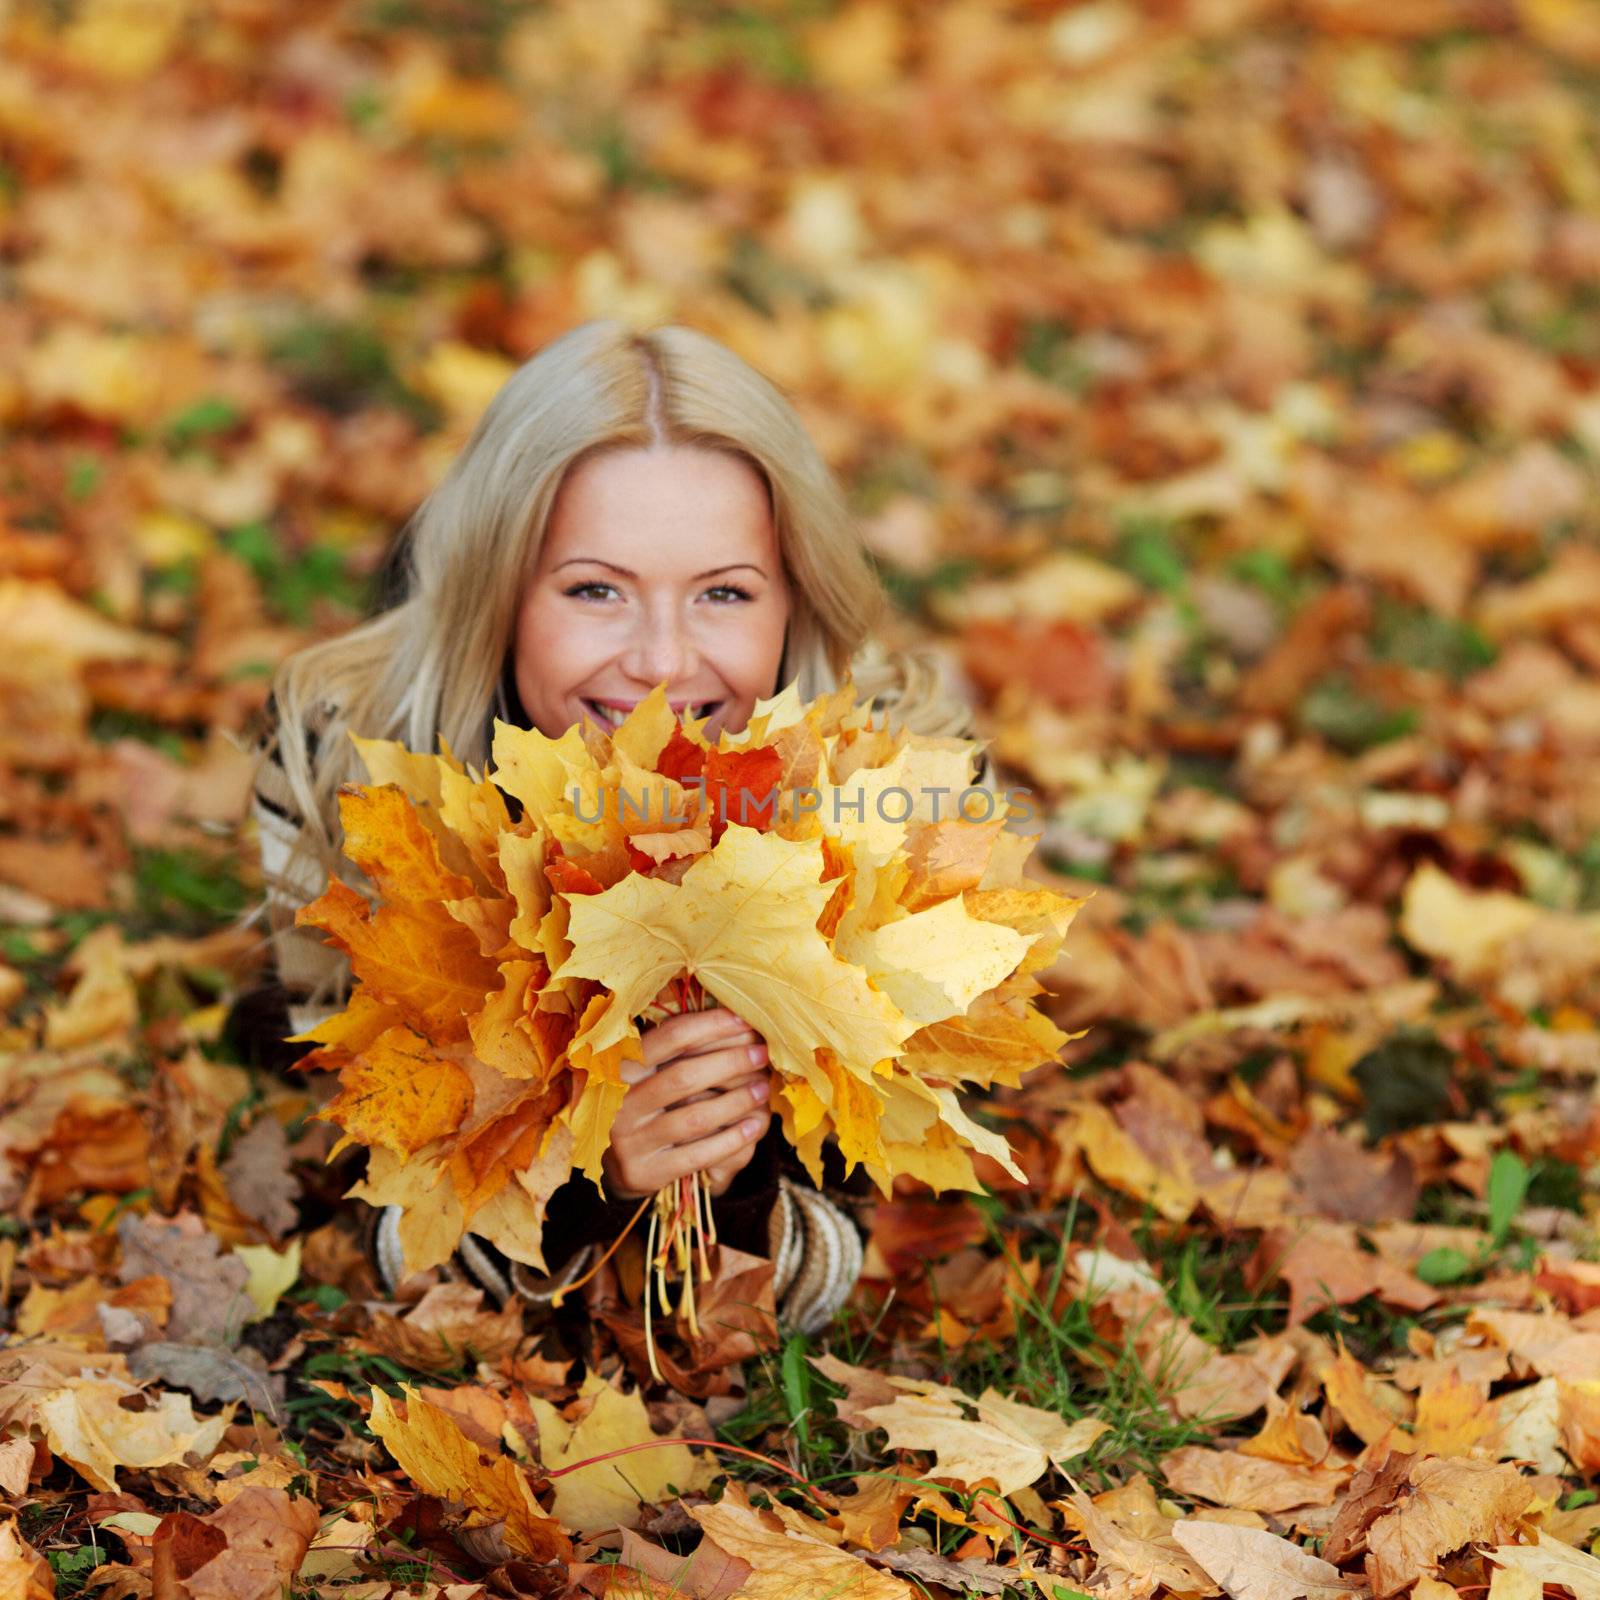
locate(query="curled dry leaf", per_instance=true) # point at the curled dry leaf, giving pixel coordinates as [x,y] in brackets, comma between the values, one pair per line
[1550,1561]
[1133,1565]
[24,1573]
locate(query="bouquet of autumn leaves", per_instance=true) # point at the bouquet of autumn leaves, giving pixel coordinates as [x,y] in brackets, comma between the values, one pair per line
[527,920]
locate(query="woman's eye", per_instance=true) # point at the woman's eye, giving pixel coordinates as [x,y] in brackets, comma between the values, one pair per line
[733,589]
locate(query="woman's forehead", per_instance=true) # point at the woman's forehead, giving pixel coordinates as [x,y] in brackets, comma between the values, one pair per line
[683,509]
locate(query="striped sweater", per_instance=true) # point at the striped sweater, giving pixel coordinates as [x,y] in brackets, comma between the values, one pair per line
[770,1208]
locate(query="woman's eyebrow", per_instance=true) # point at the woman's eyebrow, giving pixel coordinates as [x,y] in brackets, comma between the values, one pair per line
[596,561]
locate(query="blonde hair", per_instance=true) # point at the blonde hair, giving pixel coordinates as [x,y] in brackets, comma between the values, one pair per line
[431,665]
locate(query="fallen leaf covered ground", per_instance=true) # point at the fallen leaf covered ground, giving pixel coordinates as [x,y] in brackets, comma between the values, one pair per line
[1218,382]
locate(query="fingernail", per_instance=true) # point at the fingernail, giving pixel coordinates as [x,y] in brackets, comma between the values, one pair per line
[749,1126]
[760,1091]
[757,1053]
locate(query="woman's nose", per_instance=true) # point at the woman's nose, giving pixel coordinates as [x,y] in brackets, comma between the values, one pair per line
[662,651]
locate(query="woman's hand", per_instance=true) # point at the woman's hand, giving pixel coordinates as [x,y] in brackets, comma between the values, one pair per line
[700,1104]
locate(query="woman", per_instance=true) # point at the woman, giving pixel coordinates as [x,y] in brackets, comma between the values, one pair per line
[631,509]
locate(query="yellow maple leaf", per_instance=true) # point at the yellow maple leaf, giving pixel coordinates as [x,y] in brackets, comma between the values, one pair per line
[933,964]
[611,1494]
[400,1093]
[441,1460]
[506,973]
[743,922]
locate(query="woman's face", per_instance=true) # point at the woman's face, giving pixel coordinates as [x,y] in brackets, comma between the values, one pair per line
[659,565]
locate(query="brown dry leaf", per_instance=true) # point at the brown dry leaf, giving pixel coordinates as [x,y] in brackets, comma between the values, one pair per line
[863,1388]
[450,1320]
[1227,1478]
[265,1535]
[1374,1489]
[16,1465]
[1324,1266]
[1252,1564]
[1452,1503]
[209,1372]
[706,1573]
[1193,1379]
[209,1303]
[1575,1284]
[259,1181]
[1340,1179]
[1550,1346]
[963,1577]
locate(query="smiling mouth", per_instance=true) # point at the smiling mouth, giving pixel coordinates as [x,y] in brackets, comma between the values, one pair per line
[614,716]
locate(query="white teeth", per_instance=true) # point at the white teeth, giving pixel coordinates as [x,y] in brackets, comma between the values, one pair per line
[616,717]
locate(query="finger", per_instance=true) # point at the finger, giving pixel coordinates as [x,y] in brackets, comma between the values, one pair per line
[694,1031]
[678,1081]
[761,1075]
[684,1124]
[715,1147]
[721,1175]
